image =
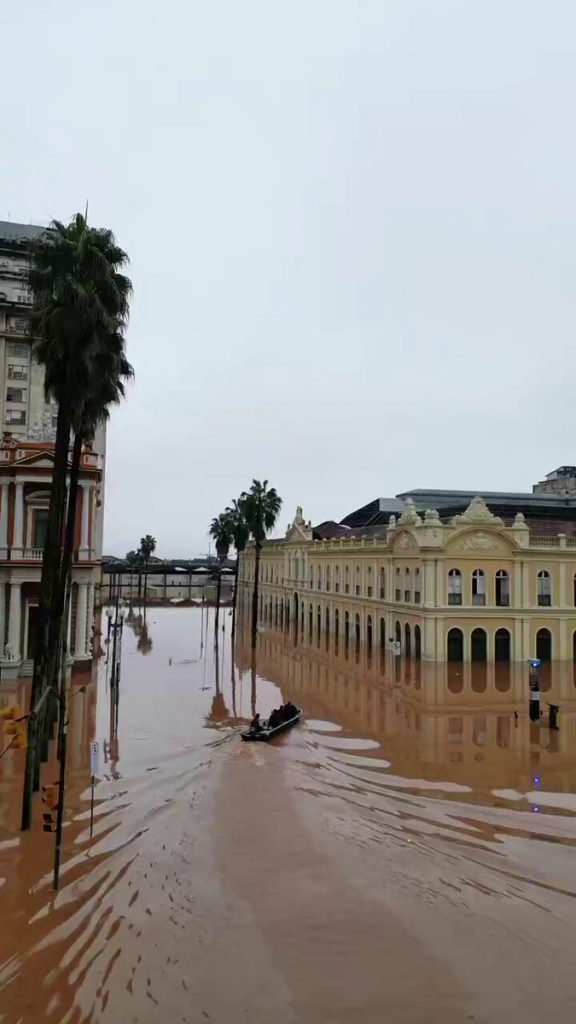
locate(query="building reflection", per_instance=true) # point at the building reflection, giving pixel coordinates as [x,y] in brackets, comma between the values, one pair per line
[455,713]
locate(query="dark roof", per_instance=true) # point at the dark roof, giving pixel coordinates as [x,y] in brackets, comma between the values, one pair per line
[329,530]
[424,498]
[11,232]
[374,512]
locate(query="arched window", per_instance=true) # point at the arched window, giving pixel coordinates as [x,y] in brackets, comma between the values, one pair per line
[336,622]
[398,633]
[407,641]
[318,625]
[397,586]
[407,585]
[544,645]
[357,633]
[346,630]
[478,587]
[276,612]
[337,579]
[311,577]
[502,589]
[327,577]
[544,589]
[382,583]
[417,643]
[478,645]
[296,567]
[417,583]
[319,578]
[347,579]
[369,582]
[357,581]
[454,586]
[502,645]
[383,633]
[327,626]
[369,634]
[310,623]
[455,645]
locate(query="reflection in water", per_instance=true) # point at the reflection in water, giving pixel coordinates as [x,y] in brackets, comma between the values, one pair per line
[415,789]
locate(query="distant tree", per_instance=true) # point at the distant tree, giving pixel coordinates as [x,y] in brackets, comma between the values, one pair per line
[222,532]
[241,536]
[260,508]
[147,547]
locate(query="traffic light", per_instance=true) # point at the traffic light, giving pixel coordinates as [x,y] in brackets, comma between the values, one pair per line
[50,796]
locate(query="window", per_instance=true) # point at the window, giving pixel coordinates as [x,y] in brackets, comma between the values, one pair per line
[337,579]
[12,416]
[454,586]
[347,580]
[40,527]
[369,583]
[398,586]
[478,587]
[544,589]
[18,371]
[382,583]
[15,395]
[417,591]
[357,581]
[311,578]
[19,351]
[407,585]
[502,589]
[327,577]
[319,579]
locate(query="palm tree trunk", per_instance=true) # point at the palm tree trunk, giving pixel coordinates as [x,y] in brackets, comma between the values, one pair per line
[66,567]
[255,593]
[139,585]
[218,594]
[235,595]
[145,586]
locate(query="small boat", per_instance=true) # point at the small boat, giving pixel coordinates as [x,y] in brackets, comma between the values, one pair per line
[264,733]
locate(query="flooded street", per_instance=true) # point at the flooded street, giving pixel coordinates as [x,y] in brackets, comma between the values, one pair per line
[406,853]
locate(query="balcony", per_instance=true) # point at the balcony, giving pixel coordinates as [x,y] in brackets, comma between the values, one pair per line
[33,554]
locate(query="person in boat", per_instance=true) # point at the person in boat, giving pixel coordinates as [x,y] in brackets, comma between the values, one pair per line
[275,718]
[255,724]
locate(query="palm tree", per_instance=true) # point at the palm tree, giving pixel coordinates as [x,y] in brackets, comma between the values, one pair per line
[80,297]
[221,530]
[241,535]
[260,507]
[147,547]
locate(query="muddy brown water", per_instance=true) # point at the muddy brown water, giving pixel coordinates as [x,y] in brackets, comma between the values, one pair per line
[407,854]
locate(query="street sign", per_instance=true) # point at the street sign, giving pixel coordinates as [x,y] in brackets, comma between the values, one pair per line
[94,757]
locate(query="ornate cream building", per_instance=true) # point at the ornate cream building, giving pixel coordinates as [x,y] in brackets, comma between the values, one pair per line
[431,583]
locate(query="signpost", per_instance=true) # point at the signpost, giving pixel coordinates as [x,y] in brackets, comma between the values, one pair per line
[94,759]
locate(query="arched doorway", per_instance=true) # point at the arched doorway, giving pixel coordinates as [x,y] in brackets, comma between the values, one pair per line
[327,627]
[417,643]
[276,611]
[318,625]
[544,645]
[346,632]
[398,633]
[455,645]
[296,616]
[310,623]
[502,645]
[336,629]
[478,645]
[407,640]
[369,638]
[382,633]
[357,634]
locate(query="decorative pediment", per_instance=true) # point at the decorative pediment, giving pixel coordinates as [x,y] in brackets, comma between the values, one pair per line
[477,512]
[478,540]
[40,460]
[404,541]
[298,529]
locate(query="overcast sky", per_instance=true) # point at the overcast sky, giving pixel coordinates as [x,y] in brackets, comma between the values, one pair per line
[351,226]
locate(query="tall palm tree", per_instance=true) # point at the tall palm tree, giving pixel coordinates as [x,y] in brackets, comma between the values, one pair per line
[221,531]
[80,296]
[147,547]
[260,507]
[241,535]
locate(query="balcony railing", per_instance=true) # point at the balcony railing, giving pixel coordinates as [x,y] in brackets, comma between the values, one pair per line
[33,554]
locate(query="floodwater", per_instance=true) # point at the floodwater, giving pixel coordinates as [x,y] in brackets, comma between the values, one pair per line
[406,854]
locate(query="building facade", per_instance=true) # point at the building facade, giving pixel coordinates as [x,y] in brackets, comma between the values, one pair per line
[468,587]
[26,461]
